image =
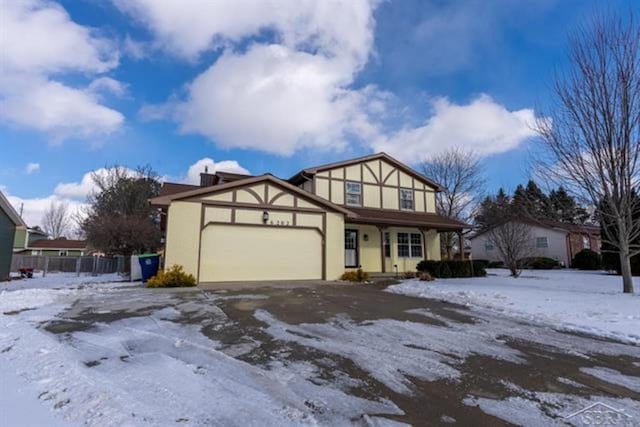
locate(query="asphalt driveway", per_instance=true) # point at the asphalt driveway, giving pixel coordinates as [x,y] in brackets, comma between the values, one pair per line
[435,362]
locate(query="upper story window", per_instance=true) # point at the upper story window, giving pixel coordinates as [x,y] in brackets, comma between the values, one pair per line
[586,242]
[406,199]
[354,193]
[542,242]
[488,245]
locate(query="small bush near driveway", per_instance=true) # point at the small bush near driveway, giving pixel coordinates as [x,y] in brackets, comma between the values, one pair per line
[355,276]
[175,277]
[452,269]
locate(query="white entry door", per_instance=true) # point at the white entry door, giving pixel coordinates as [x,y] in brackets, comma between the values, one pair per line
[351,248]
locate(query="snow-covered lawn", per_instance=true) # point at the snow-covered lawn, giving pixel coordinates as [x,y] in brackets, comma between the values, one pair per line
[590,302]
[60,280]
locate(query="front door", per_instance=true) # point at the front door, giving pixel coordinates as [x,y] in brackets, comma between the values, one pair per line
[350,248]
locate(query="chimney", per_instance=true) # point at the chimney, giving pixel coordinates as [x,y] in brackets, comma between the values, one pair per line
[208,179]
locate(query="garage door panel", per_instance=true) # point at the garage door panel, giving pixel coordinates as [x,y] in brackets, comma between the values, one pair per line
[237,253]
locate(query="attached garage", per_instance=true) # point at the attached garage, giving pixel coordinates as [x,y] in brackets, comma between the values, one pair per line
[9,220]
[273,253]
[255,229]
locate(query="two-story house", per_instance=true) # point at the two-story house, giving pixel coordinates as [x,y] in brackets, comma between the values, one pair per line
[371,212]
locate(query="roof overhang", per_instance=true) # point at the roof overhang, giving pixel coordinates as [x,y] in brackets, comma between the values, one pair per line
[11,212]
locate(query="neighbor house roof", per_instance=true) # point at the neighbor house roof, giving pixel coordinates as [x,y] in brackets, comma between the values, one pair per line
[410,219]
[58,244]
[10,211]
[201,191]
[553,225]
[308,172]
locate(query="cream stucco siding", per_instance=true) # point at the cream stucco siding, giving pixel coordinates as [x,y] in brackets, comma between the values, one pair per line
[334,247]
[371,196]
[183,233]
[390,198]
[369,254]
[381,183]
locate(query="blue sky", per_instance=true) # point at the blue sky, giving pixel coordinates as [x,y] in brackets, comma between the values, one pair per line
[268,86]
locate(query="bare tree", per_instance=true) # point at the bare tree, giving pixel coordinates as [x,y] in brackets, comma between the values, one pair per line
[460,173]
[591,139]
[56,221]
[513,241]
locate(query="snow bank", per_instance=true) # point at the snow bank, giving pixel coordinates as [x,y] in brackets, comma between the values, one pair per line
[590,302]
[62,280]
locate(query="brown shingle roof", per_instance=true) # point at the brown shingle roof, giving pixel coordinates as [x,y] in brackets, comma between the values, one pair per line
[169,188]
[59,244]
[400,218]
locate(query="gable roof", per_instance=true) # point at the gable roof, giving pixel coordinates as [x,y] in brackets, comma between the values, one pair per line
[308,172]
[10,211]
[552,225]
[202,191]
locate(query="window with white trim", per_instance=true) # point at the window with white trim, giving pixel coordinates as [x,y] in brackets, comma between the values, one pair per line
[488,245]
[586,242]
[409,245]
[406,199]
[354,193]
[63,253]
[542,242]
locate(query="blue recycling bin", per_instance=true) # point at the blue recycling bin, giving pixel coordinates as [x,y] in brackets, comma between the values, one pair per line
[149,264]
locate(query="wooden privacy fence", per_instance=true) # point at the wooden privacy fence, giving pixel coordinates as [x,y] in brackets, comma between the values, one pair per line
[93,265]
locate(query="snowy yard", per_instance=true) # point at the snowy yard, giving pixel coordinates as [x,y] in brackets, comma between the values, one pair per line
[590,302]
[74,352]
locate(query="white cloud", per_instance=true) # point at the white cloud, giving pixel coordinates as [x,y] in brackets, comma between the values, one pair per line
[193,174]
[189,27]
[482,126]
[32,168]
[273,99]
[296,93]
[107,85]
[50,106]
[40,36]
[34,209]
[39,42]
[279,97]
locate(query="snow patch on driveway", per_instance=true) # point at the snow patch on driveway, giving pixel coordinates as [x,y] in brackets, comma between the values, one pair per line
[154,370]
[423,351]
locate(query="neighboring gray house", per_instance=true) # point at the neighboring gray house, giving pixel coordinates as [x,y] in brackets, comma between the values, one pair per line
[556,240]
[9,220]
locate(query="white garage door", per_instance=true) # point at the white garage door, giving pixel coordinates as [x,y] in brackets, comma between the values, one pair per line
[246,253]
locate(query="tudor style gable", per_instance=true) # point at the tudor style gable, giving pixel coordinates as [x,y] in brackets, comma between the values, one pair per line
[378,181]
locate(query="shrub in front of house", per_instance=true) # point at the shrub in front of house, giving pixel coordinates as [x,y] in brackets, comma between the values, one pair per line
[495,264]
[174,277]
[355,276]
[452,269]
[539,263]
[587,259]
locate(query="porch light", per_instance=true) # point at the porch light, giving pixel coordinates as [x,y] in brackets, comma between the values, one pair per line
[366,237]
[265,217]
